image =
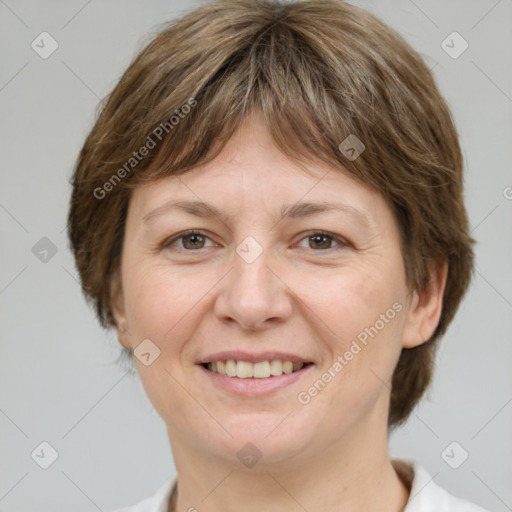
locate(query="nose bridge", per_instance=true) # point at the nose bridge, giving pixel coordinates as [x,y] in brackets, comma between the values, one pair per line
[252,294]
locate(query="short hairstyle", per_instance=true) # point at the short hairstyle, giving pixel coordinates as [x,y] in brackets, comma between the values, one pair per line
[319,71]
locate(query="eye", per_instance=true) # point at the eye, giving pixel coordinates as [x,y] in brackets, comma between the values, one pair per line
[192,240]
[322,240]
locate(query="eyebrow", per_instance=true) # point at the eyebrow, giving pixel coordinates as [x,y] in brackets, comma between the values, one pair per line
[291,211]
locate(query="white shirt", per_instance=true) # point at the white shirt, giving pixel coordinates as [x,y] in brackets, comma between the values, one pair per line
[425,495]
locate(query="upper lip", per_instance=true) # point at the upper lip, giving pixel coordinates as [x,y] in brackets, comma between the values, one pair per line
[252,357]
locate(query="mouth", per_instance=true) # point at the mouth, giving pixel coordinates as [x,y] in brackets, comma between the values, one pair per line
[258,378]
[259,370]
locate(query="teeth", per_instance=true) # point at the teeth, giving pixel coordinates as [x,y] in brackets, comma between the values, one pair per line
[287,367]
[276,367]
[231,368]
[243,370]
[260,370]
[221,367]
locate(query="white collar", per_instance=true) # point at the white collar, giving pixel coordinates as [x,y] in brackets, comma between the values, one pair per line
[425,495]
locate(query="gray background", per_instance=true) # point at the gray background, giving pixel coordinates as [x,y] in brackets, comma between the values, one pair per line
[58,380]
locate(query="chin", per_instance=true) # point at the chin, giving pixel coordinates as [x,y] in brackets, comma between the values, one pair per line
[263,436]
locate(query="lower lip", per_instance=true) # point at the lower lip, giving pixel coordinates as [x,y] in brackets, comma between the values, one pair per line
[255,387]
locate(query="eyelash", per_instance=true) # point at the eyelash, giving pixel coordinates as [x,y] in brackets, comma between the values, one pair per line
[168,242]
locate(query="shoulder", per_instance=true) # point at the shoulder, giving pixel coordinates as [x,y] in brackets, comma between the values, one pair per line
[426,495]
[156,503]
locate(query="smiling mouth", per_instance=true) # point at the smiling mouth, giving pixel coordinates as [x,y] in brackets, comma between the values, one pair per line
[248,370]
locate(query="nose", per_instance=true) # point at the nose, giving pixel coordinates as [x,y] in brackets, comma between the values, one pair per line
[253,295]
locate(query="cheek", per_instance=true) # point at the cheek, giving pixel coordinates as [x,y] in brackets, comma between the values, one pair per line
[359,316]
[361,350]
[156,298]
[162,305]
[165,304]
[347,301]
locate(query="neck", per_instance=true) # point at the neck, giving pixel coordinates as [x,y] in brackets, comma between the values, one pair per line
[353,474]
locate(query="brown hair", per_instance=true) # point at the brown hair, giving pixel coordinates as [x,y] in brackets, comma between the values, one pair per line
[319,71]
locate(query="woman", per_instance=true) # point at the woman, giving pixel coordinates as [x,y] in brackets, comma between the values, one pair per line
[269,211]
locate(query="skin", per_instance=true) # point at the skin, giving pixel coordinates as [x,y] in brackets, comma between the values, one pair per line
[310,299]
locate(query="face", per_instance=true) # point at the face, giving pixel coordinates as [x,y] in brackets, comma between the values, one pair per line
[325,290]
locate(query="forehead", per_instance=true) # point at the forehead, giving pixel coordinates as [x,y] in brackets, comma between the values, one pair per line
[251,172]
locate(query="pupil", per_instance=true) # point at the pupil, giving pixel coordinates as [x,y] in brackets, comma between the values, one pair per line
[194,239]
[317,239]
